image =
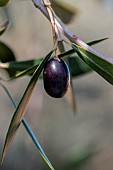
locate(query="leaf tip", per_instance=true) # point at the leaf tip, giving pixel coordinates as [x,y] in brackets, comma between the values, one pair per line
[6,145]
[2,158]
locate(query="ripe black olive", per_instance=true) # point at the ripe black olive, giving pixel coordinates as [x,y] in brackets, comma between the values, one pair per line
[56,77]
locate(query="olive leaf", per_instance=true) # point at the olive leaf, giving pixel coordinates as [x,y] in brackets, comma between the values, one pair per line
[23,65]
[29,131]
[18,69]
[21,108]
[28,71]
[91,43]
[102,65]
[97,41]
[37,144]
[29,67]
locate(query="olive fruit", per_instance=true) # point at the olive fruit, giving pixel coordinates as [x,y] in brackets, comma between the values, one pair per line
[56,77]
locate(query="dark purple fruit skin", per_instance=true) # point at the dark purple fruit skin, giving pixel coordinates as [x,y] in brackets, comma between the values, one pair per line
[56,77]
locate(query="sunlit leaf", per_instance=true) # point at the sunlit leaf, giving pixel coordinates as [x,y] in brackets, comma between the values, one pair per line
[3,2]
[21,108]
[103,66]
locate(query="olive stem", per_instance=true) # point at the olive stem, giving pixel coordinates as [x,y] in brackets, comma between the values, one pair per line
[47,4]
[72,37]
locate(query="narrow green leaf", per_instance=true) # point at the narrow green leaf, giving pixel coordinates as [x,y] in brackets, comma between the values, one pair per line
[37,144]
[103,66]
[3,2]
[96,41]
[16,66]
[20,111]
[13,67]
[29,131]
[25,72]
[23,65]
[91,43]
[29,67]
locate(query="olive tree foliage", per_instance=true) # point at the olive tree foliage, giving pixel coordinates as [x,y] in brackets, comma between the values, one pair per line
[81,58]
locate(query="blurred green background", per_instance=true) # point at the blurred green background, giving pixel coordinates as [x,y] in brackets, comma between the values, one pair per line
[81,142]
